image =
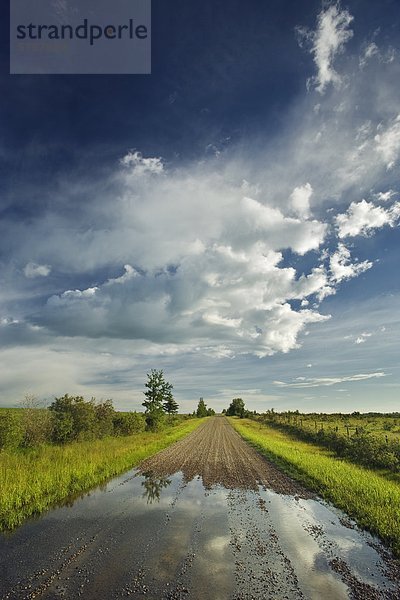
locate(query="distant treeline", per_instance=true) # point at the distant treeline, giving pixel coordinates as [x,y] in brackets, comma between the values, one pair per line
[368,439]
[67,419]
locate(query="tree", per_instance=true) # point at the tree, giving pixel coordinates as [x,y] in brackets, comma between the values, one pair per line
[157,392]
[201,409]
[236,408]
[170,405]
[74,418]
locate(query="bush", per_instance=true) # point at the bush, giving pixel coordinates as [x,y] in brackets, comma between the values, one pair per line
[36,422]
[155,421]
[11,432]
[104,414]
[77,419]
[128,423]
[63,427]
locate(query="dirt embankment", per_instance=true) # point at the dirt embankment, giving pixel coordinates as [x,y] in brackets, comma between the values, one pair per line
[216,453]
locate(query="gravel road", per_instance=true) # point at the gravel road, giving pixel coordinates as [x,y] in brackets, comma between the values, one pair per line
[208,519]
[217,454]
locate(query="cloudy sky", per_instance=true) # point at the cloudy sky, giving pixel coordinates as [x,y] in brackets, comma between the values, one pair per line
[232,218]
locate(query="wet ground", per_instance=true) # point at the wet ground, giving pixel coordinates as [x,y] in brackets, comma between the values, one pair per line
[164,536]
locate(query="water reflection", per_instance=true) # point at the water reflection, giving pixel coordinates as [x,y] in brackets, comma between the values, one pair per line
[153,485]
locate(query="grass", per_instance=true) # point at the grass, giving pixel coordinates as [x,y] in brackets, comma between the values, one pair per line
[379,426]
[368,496]
[31,481]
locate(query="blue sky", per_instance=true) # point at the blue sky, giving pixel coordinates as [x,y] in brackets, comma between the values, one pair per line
[231,218]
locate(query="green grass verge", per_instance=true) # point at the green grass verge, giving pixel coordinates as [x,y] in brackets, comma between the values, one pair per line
[32,481]
[367,496]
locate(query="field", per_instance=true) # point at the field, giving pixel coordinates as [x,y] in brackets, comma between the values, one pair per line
[380,426]
[371,497]
[371,440]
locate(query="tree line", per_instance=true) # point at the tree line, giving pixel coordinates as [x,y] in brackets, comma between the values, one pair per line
[67,419]
[72,418]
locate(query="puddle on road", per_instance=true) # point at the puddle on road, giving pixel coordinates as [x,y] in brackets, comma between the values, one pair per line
[315,534]
[312,535]
[159,537]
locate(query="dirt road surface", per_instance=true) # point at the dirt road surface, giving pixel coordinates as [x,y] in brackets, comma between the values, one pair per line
[217,454]
[206,519]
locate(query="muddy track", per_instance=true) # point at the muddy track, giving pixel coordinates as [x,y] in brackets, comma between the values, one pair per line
[217,454]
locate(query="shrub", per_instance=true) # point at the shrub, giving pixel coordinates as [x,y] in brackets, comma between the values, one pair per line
[104,415]
[128,423]
[63,427]
[36,422]
[155,421]
[11,432]
[77,419]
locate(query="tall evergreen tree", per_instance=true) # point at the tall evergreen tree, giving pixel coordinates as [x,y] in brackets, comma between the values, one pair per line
[157,392]
[170,405]
[201,409]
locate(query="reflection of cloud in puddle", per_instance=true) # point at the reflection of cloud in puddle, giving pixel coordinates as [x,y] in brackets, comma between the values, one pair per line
[295,525]
[218,496]
[305,554]
[218,544]
[351,544]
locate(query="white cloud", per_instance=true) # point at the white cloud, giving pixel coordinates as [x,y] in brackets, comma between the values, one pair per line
[328,381]
[362,217]
[138,165]
[5,321]
[317,282]
[327,42]
[282,232]
[32,270]
[300,199]
[239,298]
[203,263]
[369,51]
[130,272]
[74,294]
[385,196]
[362,338]
[388,142]
[341,268]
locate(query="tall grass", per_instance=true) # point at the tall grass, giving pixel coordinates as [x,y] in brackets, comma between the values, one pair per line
[368,444]
[33,480]
[367,496]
